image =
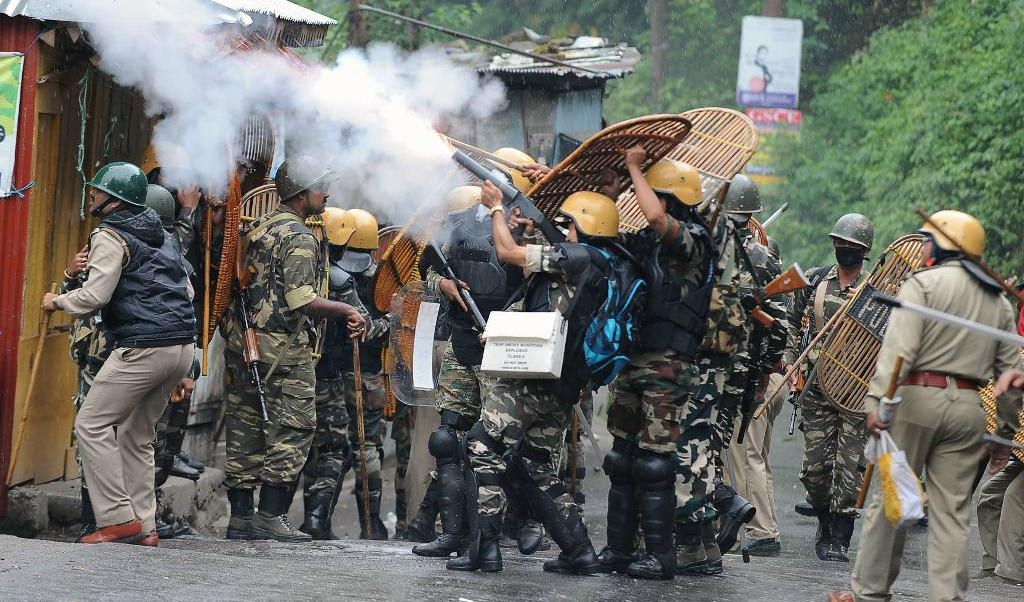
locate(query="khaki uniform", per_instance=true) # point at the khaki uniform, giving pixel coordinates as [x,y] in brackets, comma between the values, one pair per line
[1001,523]
[939,429]
[129,391]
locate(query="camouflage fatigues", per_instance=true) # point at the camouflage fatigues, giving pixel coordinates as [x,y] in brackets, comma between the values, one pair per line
[331,455]
[286,260]
[401,434]
[834,440]
[460,389]
[525,413]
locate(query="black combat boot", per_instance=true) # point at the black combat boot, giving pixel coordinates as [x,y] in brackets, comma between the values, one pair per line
[377,529]
[733,512]
[317,507]
[839,545]
[483,554]
[823,538]
[240,524]
[530,537]
[452,503]
[88,516]
[655,476]
[271,521]
[622,509]
[421,528]
[577,556]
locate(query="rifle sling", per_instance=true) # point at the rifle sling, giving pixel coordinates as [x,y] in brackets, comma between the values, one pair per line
[287,345]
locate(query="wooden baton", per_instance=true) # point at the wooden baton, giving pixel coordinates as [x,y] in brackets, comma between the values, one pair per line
[870,470]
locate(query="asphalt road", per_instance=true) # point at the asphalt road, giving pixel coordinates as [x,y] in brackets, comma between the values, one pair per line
[207,568]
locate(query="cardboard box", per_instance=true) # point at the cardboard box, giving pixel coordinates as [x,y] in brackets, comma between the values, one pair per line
[524,344]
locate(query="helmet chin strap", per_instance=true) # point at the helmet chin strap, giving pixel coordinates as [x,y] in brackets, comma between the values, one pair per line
[95,212]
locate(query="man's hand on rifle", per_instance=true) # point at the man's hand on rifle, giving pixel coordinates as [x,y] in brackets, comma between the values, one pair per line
[490,196]
[78,263]
[451,290]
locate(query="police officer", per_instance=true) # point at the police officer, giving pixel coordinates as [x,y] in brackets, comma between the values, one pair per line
[137,279]
[834,440]
[461,385]
[651,392]
[940,422]
[523,422]
[357,263]
[285,262]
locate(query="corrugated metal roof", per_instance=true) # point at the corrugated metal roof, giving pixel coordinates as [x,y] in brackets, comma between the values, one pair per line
[90,10]
[280,9]
[612,61]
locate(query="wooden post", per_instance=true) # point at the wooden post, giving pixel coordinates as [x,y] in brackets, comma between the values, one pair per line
[773,8]
[357,32]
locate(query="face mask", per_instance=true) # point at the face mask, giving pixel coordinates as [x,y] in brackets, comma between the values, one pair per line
[849,257]
[740,219]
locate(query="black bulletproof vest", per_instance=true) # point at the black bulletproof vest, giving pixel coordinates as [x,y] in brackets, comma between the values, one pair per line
[150,305]
[474,260]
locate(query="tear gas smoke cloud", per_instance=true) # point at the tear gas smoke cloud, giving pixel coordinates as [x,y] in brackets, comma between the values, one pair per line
[368,116]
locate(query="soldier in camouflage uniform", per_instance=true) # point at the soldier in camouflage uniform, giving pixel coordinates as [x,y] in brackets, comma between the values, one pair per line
[834,440]
[358,264]
[461,386]
[285,260]
[649,399]
[401,434]
[348,232]
[523,422]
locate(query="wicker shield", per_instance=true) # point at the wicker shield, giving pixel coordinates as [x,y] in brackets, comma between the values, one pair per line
[988,401]
[719,144]
[847,360]
[258,202]
[405,308]
[581,170]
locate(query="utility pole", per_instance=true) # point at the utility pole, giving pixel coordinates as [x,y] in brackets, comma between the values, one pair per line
[658,13]
[774,8]
[357,34]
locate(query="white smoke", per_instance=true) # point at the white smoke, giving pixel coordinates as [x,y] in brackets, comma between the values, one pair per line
[368,116]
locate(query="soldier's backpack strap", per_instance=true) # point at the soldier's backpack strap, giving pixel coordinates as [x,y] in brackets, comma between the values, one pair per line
[820,288]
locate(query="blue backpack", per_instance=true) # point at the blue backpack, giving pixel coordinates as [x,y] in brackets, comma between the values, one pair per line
[611,329]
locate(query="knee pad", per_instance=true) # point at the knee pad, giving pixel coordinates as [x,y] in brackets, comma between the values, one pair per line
[444,445]
[654,471]
[618,463]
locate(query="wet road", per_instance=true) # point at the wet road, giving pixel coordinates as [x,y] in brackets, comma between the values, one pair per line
[213,569]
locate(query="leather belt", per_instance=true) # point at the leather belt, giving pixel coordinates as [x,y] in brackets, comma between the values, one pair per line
[938,380]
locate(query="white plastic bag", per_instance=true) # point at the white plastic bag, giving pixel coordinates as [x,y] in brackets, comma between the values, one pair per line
[902,496]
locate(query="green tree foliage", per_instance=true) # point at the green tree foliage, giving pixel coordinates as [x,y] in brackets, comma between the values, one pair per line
[928,116]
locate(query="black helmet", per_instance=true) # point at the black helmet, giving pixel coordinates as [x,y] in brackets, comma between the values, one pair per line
[855,228]
[742,196]
[299,174]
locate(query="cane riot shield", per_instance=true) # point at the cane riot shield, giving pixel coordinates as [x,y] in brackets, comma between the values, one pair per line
[412,369]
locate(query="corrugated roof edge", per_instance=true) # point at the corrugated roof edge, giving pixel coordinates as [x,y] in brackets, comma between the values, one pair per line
[280,9]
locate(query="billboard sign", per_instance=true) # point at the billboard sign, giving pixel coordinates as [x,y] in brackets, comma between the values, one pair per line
[769,69]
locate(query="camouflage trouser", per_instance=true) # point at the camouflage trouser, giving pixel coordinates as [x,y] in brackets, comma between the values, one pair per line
[833,453]
[272,453]
[695,463]
[723,413]
[330,456]
[519,412]
[401,433]
[85,378]
[170,434]
[460,388]
[374,400]
[565,471]
[648,400]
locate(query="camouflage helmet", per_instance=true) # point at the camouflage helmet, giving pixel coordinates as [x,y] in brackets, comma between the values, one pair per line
[742,196]
[161,200]
[124,181]
[299,174]
[855,228]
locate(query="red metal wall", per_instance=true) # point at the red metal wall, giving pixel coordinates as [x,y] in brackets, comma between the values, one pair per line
[16,35]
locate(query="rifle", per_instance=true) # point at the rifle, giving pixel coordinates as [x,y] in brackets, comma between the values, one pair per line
[749,404]
[513,199]
[797,392]
[791,280]
[243,313]
[474,311]
[771,218]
